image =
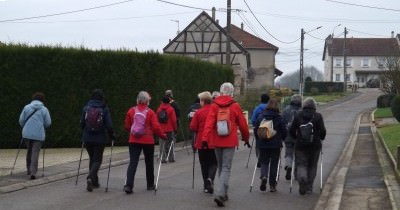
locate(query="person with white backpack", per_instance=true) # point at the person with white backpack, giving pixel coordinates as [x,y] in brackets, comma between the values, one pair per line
[142,124]
[271,131]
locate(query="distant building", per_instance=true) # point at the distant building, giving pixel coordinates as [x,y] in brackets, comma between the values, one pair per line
[252,59]
[365,58]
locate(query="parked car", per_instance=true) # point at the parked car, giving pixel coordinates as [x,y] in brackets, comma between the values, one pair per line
[373,83]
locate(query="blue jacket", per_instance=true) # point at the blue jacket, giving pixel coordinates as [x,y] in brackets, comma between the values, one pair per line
[257,111]
[106,132]
[34,128]
[279,126]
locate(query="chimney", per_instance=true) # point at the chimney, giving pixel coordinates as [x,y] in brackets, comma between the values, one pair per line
[241,26]
[213,13]
[217,21]
[392,34]
[170,40]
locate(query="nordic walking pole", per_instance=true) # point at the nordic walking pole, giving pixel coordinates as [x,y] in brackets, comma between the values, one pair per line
[170,148]
[15,161]
[79,165]
[158,173]
[44,150]
[194,158]
[109,165]
[254,174]
[251,148]
[322,159]
[279,167]
[292,177]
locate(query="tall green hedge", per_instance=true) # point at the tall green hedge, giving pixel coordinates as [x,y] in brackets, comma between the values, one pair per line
[323,87]
[67,76]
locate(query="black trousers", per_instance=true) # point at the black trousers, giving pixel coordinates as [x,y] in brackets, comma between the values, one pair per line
[269,159]
[95,152]
[134,152]
[208,164]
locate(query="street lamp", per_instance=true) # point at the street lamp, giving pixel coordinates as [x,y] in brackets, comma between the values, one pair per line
[176,21]
[301,86]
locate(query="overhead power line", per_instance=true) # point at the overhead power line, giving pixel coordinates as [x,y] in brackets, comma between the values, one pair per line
[182,5]
[366,6]
[246,21]
[255,17]
[360,32]
[65,13]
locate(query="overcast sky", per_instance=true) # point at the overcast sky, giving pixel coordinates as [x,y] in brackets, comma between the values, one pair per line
[149,24]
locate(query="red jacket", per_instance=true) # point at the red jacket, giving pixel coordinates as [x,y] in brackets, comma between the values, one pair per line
[197,124]
[171,125]
[151,126]
[237,121]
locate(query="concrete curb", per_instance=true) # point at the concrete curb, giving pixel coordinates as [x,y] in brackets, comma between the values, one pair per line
[67,175]
[331,195]
[388,165]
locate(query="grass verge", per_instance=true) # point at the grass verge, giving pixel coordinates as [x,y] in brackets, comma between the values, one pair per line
[329,97]
[383,112]
[391,135]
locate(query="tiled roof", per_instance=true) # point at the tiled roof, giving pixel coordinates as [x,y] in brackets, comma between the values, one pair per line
[249,41]
[364,47]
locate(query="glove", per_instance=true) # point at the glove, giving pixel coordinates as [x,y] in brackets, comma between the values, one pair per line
[204,145]
[247,144]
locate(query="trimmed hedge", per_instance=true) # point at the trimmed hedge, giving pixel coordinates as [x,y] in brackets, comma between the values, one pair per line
[67,76]
[384,100]
[395,107]
[323,87]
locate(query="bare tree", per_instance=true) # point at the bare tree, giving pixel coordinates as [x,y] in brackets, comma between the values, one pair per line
[292,80]
[391,75]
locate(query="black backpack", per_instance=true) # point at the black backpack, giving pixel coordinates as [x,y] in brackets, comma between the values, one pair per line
[306,132]
[162,116]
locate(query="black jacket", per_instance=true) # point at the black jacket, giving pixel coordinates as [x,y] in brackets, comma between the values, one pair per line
[318,123]
[279,126]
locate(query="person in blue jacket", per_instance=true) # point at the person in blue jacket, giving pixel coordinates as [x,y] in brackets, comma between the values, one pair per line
[34,118]
[256,112]
[270,149]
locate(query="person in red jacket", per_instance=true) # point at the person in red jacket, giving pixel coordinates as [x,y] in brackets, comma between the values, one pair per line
[142,124]
[223,120]
[167,119]
[208,161]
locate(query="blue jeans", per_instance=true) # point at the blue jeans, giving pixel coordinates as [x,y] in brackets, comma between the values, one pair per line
[134,153]
[224,159]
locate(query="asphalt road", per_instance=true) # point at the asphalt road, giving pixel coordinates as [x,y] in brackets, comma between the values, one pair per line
[175,190]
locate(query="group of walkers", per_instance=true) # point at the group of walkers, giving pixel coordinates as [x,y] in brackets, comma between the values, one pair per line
[214,121]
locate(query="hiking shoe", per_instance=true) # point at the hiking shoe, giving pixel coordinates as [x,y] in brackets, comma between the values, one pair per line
[209,186]
[263,185]
[172,161]
[150,188]
[96,186]
[33,177]
[219,200]
[302,189]
[127,189]
[272,188]
[163,161]
[288,173]
[258,165]
[89,186]
[225,198]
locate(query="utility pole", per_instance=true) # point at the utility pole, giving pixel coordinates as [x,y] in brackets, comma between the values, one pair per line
[228,32]
[301,91]
[344,61]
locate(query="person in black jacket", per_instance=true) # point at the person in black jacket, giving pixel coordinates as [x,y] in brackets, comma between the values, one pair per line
[270,149]
[95,135]
[307,155]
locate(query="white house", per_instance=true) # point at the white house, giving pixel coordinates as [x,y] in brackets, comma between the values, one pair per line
[364,58]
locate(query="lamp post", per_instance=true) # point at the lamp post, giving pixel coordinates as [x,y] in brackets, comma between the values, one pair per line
[176,21]
[301,85]
[331,49]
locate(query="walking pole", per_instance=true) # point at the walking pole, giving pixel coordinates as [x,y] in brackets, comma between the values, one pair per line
[251,148]
[194,159]
[170,148]
[292,177]
[15,161]
[279,166]
[158,173]
[79,165]
[254,174]
[44,150]
[109,165]
[322,159]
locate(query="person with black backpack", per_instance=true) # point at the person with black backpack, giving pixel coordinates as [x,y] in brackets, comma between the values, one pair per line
[97,130]
[142,124]
[167,119]
[269,142]
[288,115]
[309,130]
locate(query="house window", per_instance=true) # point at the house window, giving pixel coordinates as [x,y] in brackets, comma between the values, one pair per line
[337,77]
[365,63]
[381,62]
[348,62]
[347,77]
[338,62]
